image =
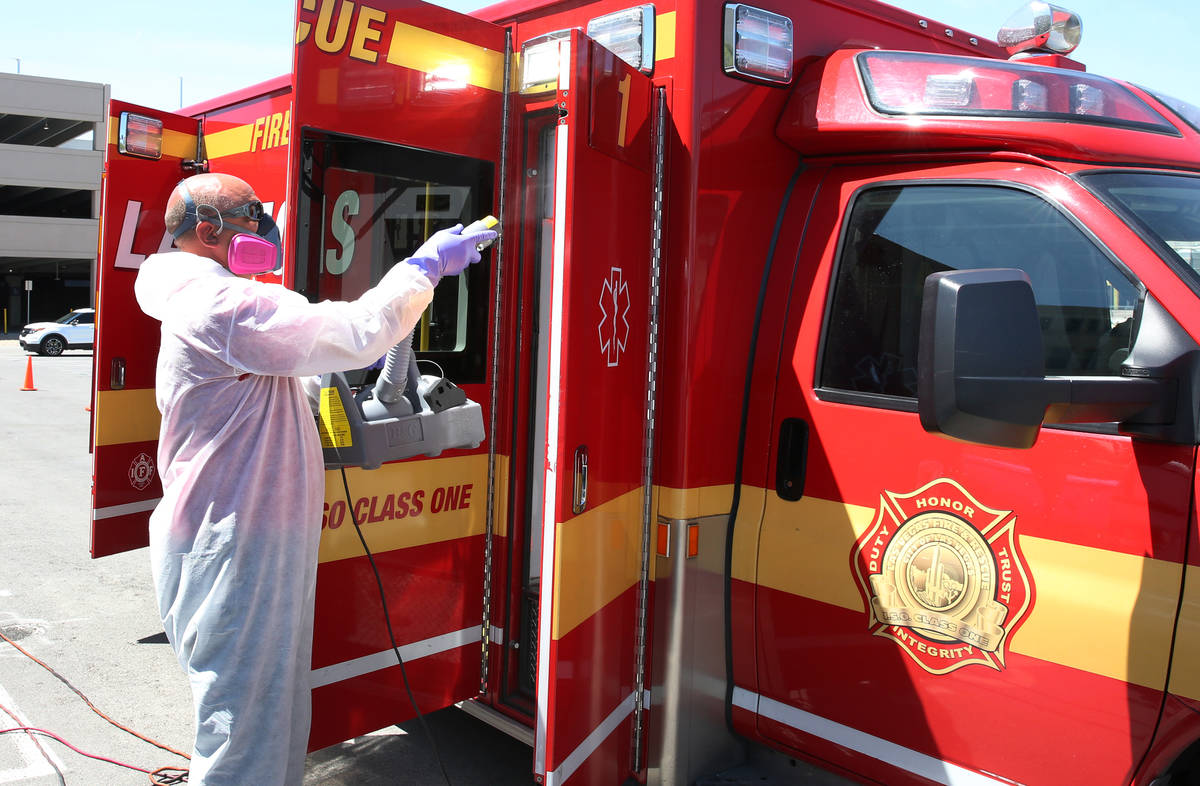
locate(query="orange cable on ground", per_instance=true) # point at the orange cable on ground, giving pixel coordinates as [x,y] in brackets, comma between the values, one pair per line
[91,706]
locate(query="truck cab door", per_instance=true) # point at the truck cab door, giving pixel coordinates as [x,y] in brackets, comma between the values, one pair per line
[591,450]
[396,133]
[933,609]
[144,160]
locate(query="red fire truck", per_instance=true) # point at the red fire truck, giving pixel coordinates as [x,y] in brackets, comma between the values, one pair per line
[838,369]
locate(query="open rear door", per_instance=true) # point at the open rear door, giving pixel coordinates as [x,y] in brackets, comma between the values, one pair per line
[396,133]
[596,410]
[139,174]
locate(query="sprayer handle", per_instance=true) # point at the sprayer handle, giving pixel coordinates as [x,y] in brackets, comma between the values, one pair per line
[482,225]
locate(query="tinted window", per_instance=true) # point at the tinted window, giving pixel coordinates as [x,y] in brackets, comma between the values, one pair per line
[1165,207]
[366,205]
[896,236]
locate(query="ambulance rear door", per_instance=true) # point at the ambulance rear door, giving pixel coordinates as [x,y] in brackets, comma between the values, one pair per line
[144,159]
[593,388]
[396,133]
[248,136]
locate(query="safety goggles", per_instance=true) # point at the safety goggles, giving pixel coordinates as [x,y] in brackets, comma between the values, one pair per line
[251,210]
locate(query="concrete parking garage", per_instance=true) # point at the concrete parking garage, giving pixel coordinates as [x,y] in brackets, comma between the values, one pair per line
[52,138]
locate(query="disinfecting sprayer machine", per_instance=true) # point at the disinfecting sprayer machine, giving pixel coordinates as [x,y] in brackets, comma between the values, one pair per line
[405,414]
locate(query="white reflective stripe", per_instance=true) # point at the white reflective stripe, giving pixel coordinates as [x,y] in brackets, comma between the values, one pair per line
[124,510]
[591,743]
[877,748]
[550,500]
[564,64]
[745,699]
[495,635]
[327,675]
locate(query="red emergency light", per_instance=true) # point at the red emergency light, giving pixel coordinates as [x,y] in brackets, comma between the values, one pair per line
[911,83]
[139,135]
[865,100]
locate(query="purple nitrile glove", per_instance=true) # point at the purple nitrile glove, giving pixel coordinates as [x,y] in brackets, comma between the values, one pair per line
[448,252]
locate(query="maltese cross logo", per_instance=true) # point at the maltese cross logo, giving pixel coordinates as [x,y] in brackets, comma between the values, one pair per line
[141,471]
[614,316]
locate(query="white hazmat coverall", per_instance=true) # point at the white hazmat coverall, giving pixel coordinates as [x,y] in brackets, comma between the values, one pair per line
[233,543]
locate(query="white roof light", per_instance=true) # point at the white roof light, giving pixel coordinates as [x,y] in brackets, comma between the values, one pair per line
[1087,100]
[758,44]
[628,34]
[540,61]
[1030,96]
[1041,27]
[949,91]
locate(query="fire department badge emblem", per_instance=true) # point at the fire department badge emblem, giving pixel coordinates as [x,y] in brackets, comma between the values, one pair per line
[141,471]
[944,577]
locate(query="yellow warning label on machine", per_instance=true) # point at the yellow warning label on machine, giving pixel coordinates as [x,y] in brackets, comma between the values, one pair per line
[333,424]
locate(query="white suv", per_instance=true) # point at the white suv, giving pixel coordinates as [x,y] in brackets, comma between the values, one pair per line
[74,330]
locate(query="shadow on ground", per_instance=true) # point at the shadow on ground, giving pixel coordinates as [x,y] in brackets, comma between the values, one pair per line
[472,752]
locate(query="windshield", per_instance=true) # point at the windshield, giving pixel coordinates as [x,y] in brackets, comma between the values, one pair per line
[1165,208]
[1188,113]
[65,318]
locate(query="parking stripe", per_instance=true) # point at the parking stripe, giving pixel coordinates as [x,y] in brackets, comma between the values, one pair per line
[36,764]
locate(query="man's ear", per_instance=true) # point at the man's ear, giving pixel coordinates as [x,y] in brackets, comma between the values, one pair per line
[207,234]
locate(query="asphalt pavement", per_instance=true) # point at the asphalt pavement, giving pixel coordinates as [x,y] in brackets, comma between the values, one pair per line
[95,623]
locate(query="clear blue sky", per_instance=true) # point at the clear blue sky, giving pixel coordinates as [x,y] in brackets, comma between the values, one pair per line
[145,48]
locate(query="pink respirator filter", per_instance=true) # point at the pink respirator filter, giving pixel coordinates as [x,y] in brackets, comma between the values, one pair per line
[251,255]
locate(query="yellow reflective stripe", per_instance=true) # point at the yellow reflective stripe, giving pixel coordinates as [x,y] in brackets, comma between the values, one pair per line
[446,57]
[229,142]
[1099,611]
[132,416]
[1185,676]
[664,36]
[1095,610]
[695,502]
[422,529]
[598,555]
[500,503]
[175,143]
[745,535]
[805,549]
[126,416]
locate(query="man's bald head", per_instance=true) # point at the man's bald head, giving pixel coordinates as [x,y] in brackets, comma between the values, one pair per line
[212,194]
[221,191]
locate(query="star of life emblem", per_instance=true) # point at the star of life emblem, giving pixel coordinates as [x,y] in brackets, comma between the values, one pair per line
[614,316]
[943,576]
[141,471]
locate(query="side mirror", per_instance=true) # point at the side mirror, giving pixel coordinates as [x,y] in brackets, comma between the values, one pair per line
[981,370]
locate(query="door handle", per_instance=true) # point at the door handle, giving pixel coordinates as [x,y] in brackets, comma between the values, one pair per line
[792,461]
[579,500]
[116,376]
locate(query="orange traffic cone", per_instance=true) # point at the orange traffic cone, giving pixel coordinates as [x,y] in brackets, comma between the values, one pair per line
[28,374]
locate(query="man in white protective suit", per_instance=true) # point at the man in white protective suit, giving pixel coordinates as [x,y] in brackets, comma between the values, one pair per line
[233,542]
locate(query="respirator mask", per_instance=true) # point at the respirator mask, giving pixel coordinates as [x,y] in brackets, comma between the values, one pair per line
[250,253]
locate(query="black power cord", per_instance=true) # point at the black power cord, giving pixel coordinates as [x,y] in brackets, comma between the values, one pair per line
[387,618]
